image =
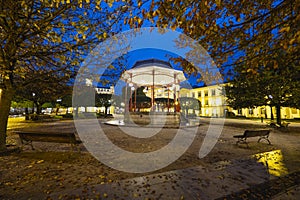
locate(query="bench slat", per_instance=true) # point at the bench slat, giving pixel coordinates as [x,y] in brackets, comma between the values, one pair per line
[255,133]
[28,137]
[262,134]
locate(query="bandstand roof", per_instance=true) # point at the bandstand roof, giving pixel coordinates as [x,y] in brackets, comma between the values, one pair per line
[153,72]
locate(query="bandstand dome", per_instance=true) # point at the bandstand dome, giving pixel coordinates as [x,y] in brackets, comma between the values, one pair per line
[153,72]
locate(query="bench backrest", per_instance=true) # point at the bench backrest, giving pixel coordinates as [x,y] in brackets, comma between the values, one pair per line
[254,133]
[48,137]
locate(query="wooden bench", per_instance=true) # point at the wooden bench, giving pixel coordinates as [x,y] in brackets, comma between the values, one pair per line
[28,137]
[262,134]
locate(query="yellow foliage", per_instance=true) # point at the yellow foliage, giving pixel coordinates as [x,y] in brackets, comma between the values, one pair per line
[110,3]
[104,35]
[285,29]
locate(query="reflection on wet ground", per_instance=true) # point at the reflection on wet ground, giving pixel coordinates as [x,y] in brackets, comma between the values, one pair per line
[260,176]
[273,161]
[282,188]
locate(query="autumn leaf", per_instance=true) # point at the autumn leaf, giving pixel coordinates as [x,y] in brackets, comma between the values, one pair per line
[285,29]
[40,161]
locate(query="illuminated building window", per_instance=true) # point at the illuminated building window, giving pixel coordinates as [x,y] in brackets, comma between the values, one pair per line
[214,112]
[218,102]
[213,102]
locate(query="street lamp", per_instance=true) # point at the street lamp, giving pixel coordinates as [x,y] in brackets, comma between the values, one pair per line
[270,98]
[33,97]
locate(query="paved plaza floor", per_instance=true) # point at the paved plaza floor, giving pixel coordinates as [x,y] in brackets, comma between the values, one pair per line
[229,171]
[238,179]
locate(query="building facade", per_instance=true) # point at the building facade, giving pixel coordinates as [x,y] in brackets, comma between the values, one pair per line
[213,104]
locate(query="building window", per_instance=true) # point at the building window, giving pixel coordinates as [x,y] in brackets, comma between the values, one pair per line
[206,93]
[199,94]
[218,102]
[193,94]
[213,92]
[206,102]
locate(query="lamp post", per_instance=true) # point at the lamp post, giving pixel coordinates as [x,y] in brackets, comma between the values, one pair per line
[269,102]
[33,97]
[57,106]
[272,116]
[130,96]
[132,107]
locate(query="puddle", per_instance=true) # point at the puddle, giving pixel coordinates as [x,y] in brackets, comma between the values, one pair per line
[273,161]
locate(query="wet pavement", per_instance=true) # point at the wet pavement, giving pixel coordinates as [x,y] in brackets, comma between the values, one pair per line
[273,174]
[249,178]
[260,176]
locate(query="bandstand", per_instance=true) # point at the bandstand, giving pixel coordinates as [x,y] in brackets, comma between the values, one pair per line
[159,80]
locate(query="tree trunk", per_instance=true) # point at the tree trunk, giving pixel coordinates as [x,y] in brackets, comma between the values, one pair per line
[278,114]
[38,108]
[105,112]
[32,108]
[6,95]
[26,114]
[272,116]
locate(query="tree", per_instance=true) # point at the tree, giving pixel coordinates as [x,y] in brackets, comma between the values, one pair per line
[225,28]
[278,87]
[45,37]
[103,100]
[239,92]
[260,39]
[187,103]
[48,89]
[66,101]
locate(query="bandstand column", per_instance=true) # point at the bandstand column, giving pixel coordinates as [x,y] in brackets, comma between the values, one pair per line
[130,104]
[130,97]
[125,100]
[168,99]
[152,90]
[135,99]
[125,96]
[174,91]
